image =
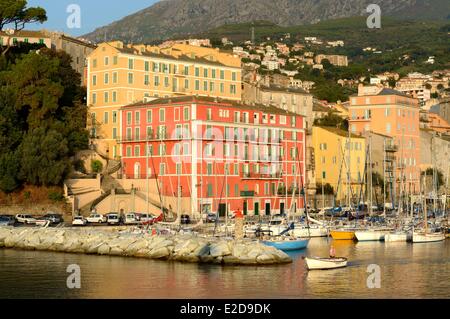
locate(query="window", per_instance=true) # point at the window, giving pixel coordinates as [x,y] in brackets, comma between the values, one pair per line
[186,70]
[211,86]
[137,117]
[162,168]
[147,66]
[166,82]
[106,60]
[156,82]
[232,89]
[114,132]
[162,115]
[114,96]
[94,98]
[209,169]
[186,84]
[205,73]
[128,151]
[94,63]
[209,114]
[137,151]
[197,85]
[197,71]
[106,97]
[186,115]
[105,117]
[222,74]
[106,78]
[213,73]
[130,78]
[115,60]
[114,117]
[115,77]
[94,80]
[209,190]
[205,85]
[130,64]
[179,169]
[233,76]
[222,88]
[149,116]
[129,118]
[146,79]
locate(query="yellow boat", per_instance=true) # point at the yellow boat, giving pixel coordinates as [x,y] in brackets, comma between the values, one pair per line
[343,234]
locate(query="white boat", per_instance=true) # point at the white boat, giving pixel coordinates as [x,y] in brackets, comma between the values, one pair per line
[313,231]
[398,237]
[371,235]
[317,263]
[423,237]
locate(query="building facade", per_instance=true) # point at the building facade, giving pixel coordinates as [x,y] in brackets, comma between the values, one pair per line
[394,114]
[120,75]
[338,163]
[220,155]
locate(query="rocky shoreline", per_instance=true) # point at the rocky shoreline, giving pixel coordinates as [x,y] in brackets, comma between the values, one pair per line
[183,248]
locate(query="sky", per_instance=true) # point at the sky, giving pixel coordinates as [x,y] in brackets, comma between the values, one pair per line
[93,13]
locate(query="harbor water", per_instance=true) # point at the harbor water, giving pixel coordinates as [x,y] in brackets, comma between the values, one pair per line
[406,271]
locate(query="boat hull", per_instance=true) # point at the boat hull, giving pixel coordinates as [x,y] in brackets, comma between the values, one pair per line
[397,237]
[325,263]
[428,238]
[370,235]
[342,234]
[312,232]
[288,245]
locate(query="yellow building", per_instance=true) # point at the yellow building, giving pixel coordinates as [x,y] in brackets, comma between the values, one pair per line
[331,156]
[121,74]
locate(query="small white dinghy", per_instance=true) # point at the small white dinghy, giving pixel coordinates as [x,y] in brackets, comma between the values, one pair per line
[318,263]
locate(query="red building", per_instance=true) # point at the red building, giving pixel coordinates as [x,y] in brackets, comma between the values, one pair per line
[222,154]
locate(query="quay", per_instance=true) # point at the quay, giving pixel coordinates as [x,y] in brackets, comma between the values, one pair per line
[182,248]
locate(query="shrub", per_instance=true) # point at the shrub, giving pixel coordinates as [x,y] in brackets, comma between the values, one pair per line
[96,166]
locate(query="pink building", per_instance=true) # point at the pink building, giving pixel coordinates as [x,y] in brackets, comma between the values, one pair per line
[394,114]
[222,154]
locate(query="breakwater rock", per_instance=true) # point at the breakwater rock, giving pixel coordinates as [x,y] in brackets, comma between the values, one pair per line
[184,248]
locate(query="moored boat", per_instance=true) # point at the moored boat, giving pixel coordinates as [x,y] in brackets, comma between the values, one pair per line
[398,237]
[371,235]
[423,237]
[287,244]
[342,234]
[317,263]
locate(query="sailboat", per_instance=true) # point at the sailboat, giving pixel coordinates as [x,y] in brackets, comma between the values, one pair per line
[424,236]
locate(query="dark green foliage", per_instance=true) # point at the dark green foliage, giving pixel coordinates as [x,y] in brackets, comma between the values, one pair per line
[42,118]
[332,120]
[96,166]
[55,196]
[327,189]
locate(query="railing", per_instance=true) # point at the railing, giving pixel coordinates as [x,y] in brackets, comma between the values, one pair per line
[391,148]
[261,176]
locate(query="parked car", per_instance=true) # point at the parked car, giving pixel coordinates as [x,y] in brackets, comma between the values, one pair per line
[79,221]
[211,218]
[54,218]
[96,218]
[25,219]
[130,219]
[185,219]
[145,218]
[7,220]
[113,219]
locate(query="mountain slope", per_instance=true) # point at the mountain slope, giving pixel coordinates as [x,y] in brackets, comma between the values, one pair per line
[172,18]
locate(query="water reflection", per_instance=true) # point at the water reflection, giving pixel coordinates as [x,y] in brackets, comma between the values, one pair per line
[407,270]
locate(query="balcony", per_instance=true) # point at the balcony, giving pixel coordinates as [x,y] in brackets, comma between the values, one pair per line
[391,148]
[150,138]
[261,176]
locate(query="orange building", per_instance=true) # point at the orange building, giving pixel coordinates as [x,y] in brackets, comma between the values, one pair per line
[391,113]
[121,74]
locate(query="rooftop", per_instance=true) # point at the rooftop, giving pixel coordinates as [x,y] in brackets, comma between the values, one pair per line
[278,88]
[339,132]
[211,101]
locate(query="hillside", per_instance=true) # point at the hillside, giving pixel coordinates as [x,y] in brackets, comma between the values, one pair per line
[179,18]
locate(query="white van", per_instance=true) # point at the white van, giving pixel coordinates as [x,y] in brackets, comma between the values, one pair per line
[113,219]
[130,219]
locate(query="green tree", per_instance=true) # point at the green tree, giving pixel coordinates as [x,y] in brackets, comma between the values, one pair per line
[44,157]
